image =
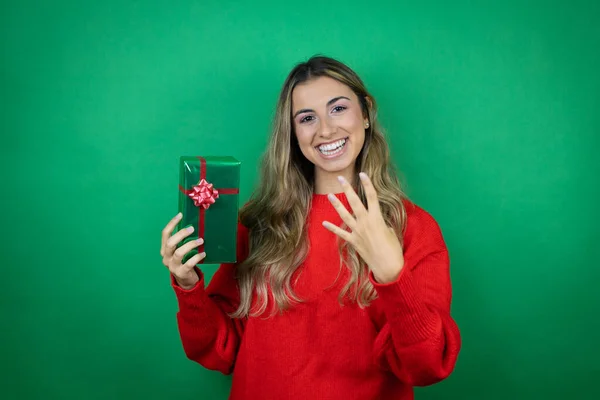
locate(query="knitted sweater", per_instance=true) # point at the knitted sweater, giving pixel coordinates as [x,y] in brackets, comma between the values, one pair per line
[320,349]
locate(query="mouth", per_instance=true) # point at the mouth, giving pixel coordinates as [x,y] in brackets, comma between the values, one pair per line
[333,149]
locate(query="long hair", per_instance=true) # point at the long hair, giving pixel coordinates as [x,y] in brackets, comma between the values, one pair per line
[276,214]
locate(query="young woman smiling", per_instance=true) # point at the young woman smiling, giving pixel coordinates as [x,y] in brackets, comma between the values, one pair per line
[342,289]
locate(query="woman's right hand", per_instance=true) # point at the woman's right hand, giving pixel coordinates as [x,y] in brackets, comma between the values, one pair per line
[184,274]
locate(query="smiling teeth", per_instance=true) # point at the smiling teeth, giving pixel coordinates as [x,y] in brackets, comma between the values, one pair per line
[331,148]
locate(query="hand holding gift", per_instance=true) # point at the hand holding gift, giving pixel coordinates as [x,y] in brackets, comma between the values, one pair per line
[208,202]
[173,254]
[208,205]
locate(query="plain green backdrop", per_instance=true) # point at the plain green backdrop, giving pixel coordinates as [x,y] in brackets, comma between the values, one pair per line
[493,116]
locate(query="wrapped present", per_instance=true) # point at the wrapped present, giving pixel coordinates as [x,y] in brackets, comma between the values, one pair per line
[208,201]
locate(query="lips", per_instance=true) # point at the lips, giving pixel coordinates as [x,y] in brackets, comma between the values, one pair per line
[333,147]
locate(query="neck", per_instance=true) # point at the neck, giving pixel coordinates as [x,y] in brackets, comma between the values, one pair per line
[327,182]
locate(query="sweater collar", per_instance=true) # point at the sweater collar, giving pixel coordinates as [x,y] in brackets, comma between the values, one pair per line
[321,203]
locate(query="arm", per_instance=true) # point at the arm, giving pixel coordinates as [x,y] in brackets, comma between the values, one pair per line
[208,335]
[419,341]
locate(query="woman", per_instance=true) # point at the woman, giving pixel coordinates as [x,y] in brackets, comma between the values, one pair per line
[342,289]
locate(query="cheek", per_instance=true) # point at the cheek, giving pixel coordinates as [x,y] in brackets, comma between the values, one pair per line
[352,121]
[304,135]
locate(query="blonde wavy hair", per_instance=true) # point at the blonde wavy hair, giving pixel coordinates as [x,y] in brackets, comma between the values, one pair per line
[277,211]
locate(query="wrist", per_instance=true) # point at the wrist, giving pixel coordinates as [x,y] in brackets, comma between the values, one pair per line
[387,275]
[187,284]
[385,279]
[185,287]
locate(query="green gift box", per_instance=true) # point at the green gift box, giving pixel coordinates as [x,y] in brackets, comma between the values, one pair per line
[208,201]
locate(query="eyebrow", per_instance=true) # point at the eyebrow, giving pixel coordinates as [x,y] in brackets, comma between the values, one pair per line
[330,102]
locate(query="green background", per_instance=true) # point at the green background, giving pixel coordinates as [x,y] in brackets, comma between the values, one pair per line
[493,112]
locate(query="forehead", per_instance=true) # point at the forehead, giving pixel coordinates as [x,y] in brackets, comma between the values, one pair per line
[317,92]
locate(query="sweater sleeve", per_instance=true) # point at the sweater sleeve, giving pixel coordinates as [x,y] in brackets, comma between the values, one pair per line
[419,341]
[208,334]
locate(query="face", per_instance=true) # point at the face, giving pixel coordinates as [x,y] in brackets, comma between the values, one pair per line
[329,124]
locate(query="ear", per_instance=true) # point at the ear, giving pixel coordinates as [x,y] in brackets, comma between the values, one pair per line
[369,104]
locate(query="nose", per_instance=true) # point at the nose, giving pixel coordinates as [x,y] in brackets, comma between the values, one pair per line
[326,127]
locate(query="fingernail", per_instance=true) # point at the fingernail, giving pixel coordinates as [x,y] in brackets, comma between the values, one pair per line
[362,175]
[331,197]
[200,241]
[341,179]
[179,215]
[190,229]
[203,254]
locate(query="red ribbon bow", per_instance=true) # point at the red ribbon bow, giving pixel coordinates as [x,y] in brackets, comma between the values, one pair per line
[203,194]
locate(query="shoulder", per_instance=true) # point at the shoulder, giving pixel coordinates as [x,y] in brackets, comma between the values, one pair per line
[417,214]
[422,229]
[242,241]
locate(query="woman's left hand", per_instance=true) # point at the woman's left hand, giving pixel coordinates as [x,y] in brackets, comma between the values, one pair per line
[372,238]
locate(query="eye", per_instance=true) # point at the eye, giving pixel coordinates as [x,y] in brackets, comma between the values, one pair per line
[338,108]
[308,118]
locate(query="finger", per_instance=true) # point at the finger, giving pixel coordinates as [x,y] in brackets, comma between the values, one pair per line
[191,263]
[176,238]
[186,248]
[168,229]
[342,211]
[347,236]
[370,192]
[357,206]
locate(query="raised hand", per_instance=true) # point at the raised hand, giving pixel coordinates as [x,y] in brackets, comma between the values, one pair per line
[372,238]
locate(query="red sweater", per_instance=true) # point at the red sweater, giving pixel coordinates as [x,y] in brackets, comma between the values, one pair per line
[319,349]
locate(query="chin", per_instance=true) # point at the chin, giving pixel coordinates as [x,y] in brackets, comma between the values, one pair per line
[335,167]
